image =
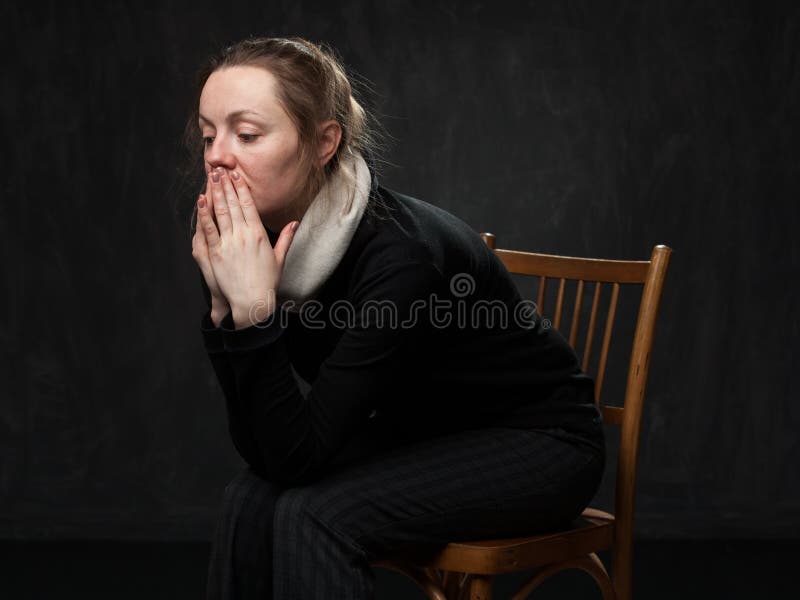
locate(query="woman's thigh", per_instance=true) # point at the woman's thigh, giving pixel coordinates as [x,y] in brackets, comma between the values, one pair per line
[471,484]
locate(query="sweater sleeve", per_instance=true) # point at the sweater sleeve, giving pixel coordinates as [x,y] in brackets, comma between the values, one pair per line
[238,422]
[296,436]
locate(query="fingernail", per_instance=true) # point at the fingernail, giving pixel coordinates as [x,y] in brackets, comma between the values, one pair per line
[202,202]
[295,226]
[235,175]
[215,177]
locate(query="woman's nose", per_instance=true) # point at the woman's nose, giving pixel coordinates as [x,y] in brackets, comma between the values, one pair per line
[219,155]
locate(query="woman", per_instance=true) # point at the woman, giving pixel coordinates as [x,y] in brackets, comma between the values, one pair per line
[436,409]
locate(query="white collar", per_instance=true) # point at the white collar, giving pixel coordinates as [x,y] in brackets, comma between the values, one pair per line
[325,232]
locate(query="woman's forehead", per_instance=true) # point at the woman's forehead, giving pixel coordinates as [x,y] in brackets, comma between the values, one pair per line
[243,91]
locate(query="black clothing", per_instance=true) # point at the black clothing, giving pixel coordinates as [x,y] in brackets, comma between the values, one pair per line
[318,541]
[368,372]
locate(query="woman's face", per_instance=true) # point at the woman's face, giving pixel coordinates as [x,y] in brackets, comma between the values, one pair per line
[245,128]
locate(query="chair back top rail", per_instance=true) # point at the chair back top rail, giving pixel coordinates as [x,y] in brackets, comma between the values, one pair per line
[569,267]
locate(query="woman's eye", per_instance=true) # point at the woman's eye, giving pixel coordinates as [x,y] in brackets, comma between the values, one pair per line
[245,137]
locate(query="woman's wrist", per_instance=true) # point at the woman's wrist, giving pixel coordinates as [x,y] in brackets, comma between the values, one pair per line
[219,309]
[253,313]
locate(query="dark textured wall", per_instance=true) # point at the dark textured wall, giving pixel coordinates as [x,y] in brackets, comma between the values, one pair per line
[579,127]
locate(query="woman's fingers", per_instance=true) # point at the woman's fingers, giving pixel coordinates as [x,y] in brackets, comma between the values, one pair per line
[199,245]
[246,203]
[201,256]
[212,236]
[208,196]
[221,209]
[199,248]
[282,245]
[237,218]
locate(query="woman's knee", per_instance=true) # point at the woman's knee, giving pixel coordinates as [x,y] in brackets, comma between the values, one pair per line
[305,515]
[248,496]
[295,507]
[584,486]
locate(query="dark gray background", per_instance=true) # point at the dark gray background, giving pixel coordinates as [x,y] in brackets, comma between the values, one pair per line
[574,127]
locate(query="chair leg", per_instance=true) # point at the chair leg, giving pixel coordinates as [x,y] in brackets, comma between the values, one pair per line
[456,585]
[466,587]
[590,564]
[451,584]
[481,587]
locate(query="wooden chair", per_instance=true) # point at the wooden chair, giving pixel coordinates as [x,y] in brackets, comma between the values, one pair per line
[464,570]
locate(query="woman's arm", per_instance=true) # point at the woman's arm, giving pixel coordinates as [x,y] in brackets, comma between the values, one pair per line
[238,422]
[296,436]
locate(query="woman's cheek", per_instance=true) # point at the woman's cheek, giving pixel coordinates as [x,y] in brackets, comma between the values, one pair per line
[270,194]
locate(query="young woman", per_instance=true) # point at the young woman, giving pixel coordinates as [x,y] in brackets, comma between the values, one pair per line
[437,406]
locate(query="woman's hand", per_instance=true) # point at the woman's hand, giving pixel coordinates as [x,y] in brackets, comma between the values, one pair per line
[219,304]
[246,268]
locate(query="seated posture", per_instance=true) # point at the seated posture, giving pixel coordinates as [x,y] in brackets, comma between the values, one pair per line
[385,383]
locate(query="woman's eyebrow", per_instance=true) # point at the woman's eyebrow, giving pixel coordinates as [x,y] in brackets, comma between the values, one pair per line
[233,116]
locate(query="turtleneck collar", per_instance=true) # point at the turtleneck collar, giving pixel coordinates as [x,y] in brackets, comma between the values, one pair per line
[370,160]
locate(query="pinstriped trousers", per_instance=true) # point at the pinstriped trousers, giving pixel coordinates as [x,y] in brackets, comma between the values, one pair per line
[316,542]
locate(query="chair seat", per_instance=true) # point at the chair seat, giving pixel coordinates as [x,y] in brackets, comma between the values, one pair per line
[593,531]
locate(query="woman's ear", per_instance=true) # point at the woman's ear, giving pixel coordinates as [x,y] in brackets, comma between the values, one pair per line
[330,134]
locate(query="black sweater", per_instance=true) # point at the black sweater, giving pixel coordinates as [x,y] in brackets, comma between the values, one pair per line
[367,367]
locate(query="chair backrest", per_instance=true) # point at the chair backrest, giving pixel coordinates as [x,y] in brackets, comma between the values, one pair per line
[649,273]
